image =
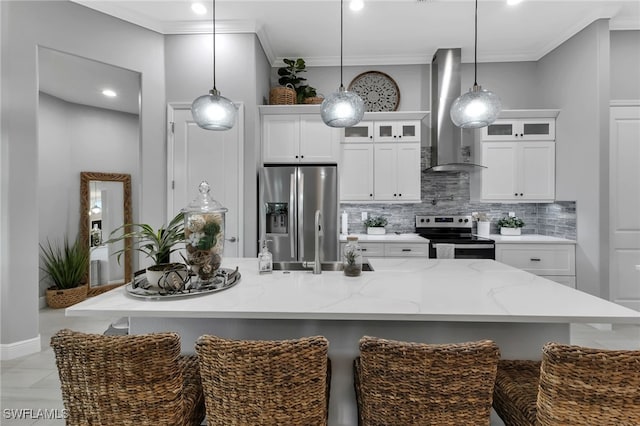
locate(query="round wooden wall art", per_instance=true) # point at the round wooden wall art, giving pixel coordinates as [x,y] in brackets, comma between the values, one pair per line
[378,91]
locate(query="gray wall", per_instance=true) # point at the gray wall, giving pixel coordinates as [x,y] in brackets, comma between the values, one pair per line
[575,79]
[625,65]
[241,76]
[75,138]
[77,30]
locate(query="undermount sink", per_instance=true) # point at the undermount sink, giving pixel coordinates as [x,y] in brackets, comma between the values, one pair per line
[326,266]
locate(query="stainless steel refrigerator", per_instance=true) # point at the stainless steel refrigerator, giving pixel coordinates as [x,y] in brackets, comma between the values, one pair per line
[289,198]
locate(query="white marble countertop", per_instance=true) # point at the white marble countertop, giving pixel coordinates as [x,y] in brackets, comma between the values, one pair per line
[398,289]
[530,238]
[388,238]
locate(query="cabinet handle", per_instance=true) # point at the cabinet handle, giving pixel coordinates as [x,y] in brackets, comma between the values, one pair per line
[399,136]
[394,136]
[395,195]
[406,249]
[521,194]
[296,156]
[370,195]
[364,249]
[371,137]
[516,194]
[399,195]
[535,259]
[302,156]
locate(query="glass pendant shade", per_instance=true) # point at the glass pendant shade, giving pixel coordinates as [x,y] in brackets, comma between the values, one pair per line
[476,108]
[342,109]
[213,112]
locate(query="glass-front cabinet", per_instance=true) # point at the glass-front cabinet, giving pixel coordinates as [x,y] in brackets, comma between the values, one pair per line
[383,131]
[541,129]
[361,132]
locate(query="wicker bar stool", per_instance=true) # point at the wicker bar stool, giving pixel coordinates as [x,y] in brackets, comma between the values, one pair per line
[127,380]
[403,383]
[247,382]
[576,386]
[516,391]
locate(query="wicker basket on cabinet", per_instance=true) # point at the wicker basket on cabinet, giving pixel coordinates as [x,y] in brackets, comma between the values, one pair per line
[282,95]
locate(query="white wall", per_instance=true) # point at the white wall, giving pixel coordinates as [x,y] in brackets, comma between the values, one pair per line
[625,65]
[77,30]
[575,78]
[75,138]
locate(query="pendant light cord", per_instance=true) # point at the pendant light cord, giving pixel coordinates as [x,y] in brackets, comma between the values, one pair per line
[341,30]
[214,44]
[475,49]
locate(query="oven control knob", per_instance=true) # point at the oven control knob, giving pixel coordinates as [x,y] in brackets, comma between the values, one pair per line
[466,220]
[422,220]
[459,220]
[428,220]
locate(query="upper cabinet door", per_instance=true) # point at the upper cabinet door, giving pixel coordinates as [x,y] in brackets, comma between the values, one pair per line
[541,129]
[361,132]
[397,131]
[280,138]
[319,143]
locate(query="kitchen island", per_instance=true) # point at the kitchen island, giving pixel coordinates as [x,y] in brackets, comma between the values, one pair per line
[413,299]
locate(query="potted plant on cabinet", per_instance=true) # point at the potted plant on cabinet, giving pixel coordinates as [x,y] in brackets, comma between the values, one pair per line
[289,75]
[66,266]
[375,225]
[510,225]
[157,244]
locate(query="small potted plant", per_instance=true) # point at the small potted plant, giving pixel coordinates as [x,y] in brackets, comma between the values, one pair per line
[158,244]
[510,225]
[375,225]
[67,267]
[289,75]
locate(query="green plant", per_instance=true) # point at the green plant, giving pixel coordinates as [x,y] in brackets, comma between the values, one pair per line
[66,265]
[157,244]
[511,222]
[290,75]
[375,222]
[351,256]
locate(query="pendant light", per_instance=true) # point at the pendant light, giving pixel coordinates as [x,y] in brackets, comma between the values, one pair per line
[212,111]
[342,108]
[478,107]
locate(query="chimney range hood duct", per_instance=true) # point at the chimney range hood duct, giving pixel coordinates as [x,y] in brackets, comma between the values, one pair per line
[447,152]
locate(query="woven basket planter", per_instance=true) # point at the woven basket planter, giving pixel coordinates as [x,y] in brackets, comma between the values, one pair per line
[282,95]
[313,100]
[57,299]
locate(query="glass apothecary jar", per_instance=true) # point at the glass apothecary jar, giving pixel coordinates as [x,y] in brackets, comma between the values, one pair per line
[352,257]
[204,234]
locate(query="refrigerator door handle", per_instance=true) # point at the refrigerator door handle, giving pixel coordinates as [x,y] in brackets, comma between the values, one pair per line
[300,214]
[292,211]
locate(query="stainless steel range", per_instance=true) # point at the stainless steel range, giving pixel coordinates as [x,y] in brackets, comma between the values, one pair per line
[456,230]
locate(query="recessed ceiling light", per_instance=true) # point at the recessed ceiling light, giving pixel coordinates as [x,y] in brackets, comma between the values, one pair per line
[109,93]
[513,2]
[198,8]
[356,5]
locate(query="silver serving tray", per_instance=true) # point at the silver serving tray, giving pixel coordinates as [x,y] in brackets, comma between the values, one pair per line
[225,278]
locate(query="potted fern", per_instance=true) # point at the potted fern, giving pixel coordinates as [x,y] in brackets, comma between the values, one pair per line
[66,266]
[510,225]
[375,225]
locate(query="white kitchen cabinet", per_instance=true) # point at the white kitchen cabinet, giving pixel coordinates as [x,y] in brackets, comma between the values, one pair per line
[539,129]
[556,262]
[391,249]
[299,138]
[518,171]
[397,131]
[361,132]
[384,131]
[396,172]
[356,177]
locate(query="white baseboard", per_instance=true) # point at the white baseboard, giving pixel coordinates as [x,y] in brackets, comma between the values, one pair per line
[18,349]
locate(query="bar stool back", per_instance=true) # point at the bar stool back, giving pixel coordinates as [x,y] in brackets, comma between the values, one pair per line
[127,380]
[403,383]
[249,382]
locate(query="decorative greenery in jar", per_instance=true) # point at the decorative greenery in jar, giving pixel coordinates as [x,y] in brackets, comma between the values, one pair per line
[204,243]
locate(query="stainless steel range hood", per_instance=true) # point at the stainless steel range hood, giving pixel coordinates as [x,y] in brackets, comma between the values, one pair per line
[447,150]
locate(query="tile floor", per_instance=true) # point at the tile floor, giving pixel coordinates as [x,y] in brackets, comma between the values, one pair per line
[31,382]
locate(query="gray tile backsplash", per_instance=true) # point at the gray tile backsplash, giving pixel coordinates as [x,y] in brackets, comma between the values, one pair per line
[448,193]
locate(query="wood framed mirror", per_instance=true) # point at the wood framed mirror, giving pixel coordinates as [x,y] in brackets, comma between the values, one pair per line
[105,204]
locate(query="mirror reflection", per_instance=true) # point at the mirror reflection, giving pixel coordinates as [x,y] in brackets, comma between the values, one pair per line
[105,206]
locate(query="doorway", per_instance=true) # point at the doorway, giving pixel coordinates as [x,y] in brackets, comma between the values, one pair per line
[195,155]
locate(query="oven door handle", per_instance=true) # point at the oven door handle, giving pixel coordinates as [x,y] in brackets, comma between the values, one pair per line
[473,246]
